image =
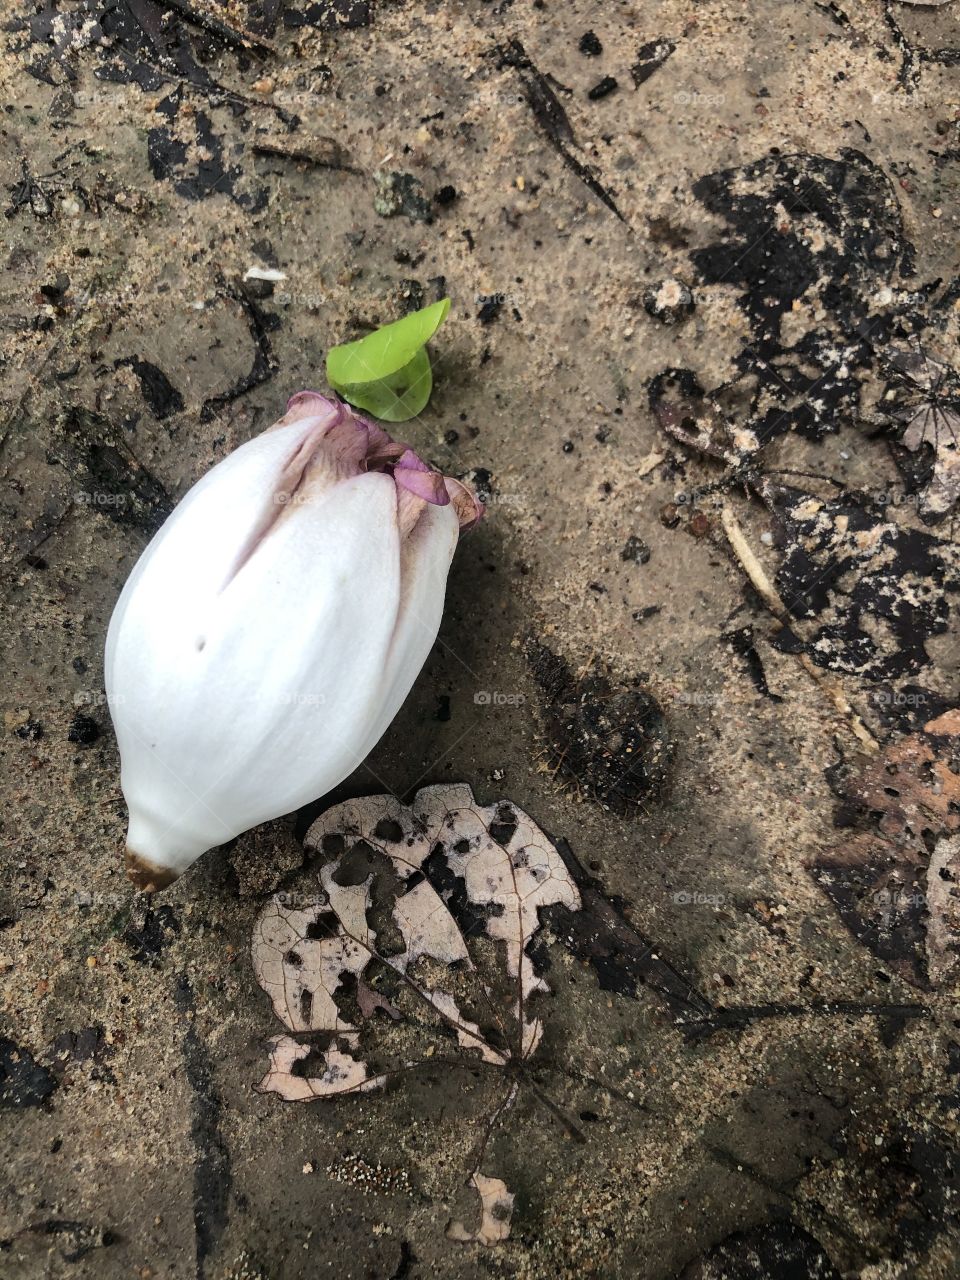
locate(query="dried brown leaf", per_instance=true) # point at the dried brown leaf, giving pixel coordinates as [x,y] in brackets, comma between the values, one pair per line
[496,1210]
[943,906]
[893,894]
[406,890]
[342,1073]
[938,428]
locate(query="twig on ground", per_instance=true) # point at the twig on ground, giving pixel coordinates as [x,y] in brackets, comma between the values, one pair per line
[771,598]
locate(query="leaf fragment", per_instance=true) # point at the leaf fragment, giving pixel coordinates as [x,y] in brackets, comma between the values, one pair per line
[937,428]
[496,1210]
[894,895]
[404,894]
[342,1073]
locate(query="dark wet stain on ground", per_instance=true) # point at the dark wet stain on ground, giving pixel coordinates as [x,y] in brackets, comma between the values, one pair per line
[612,741]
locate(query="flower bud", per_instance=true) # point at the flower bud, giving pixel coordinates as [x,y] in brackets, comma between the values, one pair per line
[273,627]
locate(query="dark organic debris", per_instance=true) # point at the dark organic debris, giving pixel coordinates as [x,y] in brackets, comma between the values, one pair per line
[650,58]
[158,391]
[913,56]
[877,590]
[74,1240]
[685,411]
[590,44]
[110,479]
[29,193]
[401,193]
[834,12]
[89,1045]
[907,707]
[264,364]
[635,550]
[825,237]
[196,171]
[321,153]
[149,934]
[914,1188]
[490,308]
[603,88]
[23,1082]
[775,1251]
[610,740]
[553,120]
[241,39]
[140,46]
[742,643]
[895,877]
[145,42]
[83,730]
[329,15]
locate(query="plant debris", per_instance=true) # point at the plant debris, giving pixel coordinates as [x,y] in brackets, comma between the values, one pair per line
[430,912]
[650,58]
[796,224]
[781,1249]
[553,120]
[895,878]
[877,590]
[400,193]
[925,398]
[496,1206]
[23,1081]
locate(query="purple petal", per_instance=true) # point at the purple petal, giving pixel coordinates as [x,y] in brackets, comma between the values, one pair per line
[412,473]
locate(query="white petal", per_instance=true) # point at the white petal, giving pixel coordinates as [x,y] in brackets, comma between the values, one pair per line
[210,525]
[425,558]
[236,707]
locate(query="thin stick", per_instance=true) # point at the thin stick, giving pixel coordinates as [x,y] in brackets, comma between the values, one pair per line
[771,598]
[235,37]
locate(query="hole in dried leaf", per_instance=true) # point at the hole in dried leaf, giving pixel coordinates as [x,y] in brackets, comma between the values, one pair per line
[387,829]
[306,1005]
[322,926]
[356,865]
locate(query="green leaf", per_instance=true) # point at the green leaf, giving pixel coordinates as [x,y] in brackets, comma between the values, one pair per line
[388,373]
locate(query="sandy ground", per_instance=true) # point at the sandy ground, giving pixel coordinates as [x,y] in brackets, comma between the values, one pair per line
[812,1133]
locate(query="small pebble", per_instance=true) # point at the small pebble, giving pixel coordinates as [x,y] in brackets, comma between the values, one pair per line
[668,301]
[699,525]
[603,88]
[635,550]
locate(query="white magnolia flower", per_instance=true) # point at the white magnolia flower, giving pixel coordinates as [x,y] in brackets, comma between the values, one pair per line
[273,627]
